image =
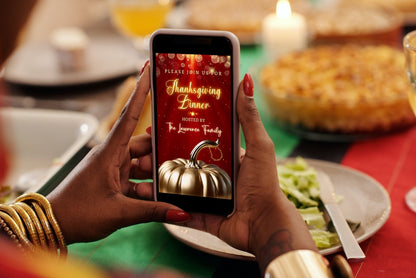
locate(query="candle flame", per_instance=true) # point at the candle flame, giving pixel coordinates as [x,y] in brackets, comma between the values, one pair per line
[283,9]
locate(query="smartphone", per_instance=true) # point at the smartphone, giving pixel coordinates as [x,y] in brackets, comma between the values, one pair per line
[195,130]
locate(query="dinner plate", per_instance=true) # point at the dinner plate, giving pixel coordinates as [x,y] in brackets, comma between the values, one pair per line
[364,200]
[41,141]
[107,57]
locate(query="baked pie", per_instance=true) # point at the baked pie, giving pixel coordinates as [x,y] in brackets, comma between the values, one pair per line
[360,23]
[339,89]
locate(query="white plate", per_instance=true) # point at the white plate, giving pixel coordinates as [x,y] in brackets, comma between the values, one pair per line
[365,200]
[41,141]
[107,57]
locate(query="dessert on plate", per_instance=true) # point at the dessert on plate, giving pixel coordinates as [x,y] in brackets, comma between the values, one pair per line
[358,22]
[348,89]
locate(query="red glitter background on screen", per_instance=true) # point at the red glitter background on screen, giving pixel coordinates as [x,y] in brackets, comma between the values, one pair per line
[179,130]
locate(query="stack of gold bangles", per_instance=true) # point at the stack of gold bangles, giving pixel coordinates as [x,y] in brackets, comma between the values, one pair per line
[30,223]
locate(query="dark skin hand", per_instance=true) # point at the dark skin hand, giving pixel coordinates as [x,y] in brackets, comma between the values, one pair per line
[265,222]
[97,198]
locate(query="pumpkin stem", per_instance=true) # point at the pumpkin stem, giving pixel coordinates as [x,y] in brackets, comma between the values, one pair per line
[193,160]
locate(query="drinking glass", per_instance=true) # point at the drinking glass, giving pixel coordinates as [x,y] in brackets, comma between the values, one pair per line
[138,19]
[409,46]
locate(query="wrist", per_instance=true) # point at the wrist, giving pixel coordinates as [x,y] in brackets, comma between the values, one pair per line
[59,207]
[277,231]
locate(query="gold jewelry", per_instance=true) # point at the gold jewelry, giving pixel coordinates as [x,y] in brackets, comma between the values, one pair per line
[7,209]
[30,222]
[46,227]
[36,223]
[305,264]
[47,209]
[9,232]
[16,230]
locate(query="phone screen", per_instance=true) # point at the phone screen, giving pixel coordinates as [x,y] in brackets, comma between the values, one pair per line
[193,118]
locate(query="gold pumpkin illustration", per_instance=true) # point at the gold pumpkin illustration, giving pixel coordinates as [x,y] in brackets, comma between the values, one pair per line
[193,177]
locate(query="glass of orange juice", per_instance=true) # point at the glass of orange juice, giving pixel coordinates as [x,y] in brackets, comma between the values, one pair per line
[138,19]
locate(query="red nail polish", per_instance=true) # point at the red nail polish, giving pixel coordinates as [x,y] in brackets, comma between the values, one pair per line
[177,216]
[149,130]
[248,85]
[144,66]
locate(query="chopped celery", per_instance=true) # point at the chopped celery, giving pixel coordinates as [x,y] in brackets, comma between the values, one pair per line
[324,239]
[299,182]
[313,217]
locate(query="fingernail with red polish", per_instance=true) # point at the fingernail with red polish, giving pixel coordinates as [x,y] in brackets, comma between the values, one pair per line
[176,216]
[248,85]
[149,130]
[144,66]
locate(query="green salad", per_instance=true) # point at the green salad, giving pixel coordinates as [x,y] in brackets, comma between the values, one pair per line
[299,182]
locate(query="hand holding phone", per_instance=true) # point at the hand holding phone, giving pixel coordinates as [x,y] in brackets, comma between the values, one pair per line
[195,75]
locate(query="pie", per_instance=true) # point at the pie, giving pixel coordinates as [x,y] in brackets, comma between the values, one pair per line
[339,89]
[361,23]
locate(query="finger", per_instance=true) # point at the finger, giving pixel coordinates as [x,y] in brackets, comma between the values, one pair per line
[254,132]
[141,168]
[242,154]
[140,145]
[142,190]
[125,125]
[205,222]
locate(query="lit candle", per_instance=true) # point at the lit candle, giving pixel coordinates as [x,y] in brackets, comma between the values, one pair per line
[284,31]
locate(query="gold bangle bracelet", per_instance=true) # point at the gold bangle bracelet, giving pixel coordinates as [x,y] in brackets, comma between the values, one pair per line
[9,231]
[299,264]
[308,264]
[46,227]
[46,206]
[31,230]
[24,241]
[14,215]
[36,223]
[59,236]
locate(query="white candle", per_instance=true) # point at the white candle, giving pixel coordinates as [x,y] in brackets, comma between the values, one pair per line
[284,31]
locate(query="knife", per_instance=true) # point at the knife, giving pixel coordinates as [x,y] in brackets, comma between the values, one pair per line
[349,243]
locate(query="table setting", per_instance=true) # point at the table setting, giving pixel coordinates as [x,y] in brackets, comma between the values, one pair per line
[334,82]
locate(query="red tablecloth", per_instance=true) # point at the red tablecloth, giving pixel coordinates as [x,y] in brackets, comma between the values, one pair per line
[391,160]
